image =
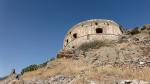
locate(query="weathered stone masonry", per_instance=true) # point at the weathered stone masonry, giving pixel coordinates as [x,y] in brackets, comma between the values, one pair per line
[95,29]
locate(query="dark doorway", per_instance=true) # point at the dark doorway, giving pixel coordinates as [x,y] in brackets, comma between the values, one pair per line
[75,35]
[99,30]
[96,23]
[67,40]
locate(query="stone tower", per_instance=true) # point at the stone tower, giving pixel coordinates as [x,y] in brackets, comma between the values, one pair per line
[90,30]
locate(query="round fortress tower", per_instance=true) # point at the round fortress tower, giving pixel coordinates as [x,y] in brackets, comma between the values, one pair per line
[90,30]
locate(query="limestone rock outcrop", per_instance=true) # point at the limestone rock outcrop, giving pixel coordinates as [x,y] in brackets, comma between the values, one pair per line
[112,63]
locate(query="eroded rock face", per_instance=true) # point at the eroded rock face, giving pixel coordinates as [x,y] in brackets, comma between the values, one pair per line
[134,51]
[64,80]
[132,82]
[102,56]
[59,79]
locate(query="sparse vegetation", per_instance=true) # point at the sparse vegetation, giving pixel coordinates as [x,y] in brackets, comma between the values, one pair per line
[92,73]
[92,45]
[58,56]
[34,67]
[134,31]
[143,28]
[30,68]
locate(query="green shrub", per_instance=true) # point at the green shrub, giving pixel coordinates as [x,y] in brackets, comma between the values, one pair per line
[135,31]
[43,64]
[143,28]
[92,45]
[35,66]
[58,56]
[52,59]
[30,68]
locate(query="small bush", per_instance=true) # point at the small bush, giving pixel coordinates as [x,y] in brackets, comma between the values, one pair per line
[35,66]
[30,68]
[58,56]
[92,45]
[143,28]
[43,64]
[135,31]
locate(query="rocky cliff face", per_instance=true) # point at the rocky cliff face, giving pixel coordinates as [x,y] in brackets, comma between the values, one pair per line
[126,61]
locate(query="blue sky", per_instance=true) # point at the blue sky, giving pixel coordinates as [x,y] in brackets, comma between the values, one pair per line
[32,31]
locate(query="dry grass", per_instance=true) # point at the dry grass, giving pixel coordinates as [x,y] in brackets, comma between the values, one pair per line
[29,75]
[92,45]
[75,67]
[61,66]
[119,73]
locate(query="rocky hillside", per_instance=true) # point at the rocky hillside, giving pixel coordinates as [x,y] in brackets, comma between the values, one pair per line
[126,61]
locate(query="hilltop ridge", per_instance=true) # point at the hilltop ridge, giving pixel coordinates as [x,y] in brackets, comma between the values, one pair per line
[124,61]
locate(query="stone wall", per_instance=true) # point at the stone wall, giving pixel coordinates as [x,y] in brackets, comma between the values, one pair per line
[90,30]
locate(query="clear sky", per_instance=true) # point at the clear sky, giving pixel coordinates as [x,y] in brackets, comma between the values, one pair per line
[32,31]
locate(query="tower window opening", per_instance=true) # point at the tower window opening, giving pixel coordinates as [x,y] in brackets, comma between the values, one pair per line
[75,35]
[96,23]
[67,40]
[107,23]
[99,30]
